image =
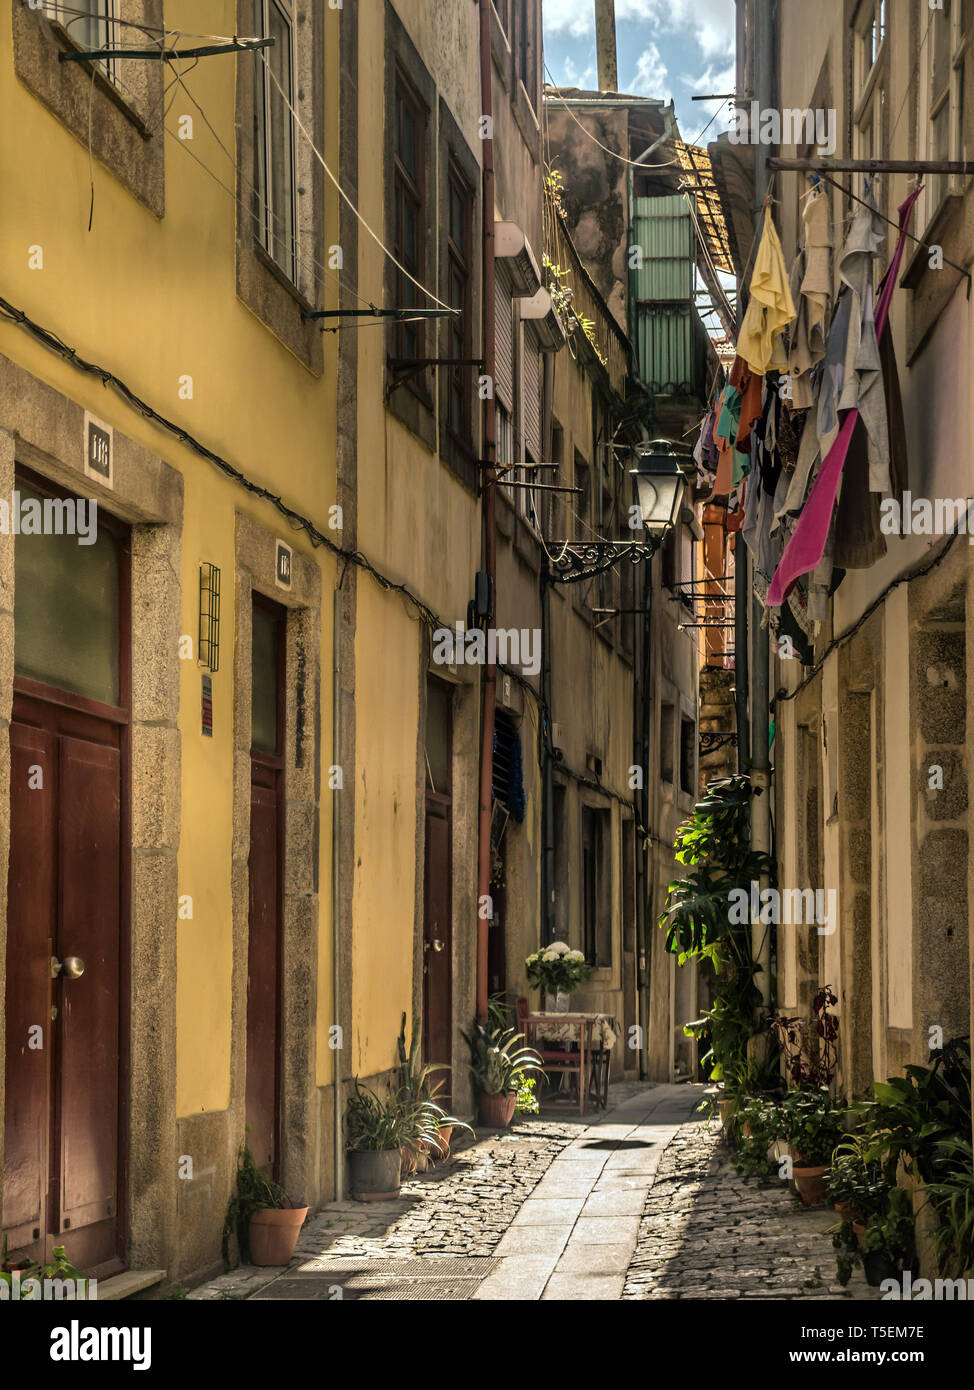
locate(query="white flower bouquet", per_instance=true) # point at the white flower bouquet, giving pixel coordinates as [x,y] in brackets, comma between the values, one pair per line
[557,968]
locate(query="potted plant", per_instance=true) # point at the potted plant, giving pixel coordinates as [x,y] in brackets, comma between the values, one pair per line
[376,1131]
[759,1127]
[262,1217]
[420,1083]
[557,969]
[813,1127]
[856,1185]
[889,1242]
[499,1067]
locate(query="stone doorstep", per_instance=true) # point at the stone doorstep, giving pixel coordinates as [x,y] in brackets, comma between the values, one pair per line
[129,1282]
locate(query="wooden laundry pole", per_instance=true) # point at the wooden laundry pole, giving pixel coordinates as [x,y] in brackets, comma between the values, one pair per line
[873,166]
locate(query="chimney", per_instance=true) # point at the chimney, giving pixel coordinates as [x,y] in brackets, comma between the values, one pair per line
[605,45]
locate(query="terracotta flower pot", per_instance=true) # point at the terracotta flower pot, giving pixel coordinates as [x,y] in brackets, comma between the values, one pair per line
[274,1234]
[443,1137]
[496,1110]
[810,1183]
[408,1161]
[727,1108]
[376,1174]
[859,1230]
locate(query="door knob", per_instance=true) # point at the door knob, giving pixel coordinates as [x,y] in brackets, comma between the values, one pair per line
[435,945]
[72,967]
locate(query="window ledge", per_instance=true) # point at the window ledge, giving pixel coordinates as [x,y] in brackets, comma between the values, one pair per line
[90,106]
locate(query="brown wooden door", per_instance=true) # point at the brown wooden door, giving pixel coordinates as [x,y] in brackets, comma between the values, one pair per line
[437,938]
[438,884]
[263,983]
[266,879]
[62,1131]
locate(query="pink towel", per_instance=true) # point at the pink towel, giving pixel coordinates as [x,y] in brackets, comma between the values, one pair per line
[807,544]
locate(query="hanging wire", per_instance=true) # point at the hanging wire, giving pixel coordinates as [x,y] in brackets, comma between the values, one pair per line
[344,196]
[633,163]
[303,257]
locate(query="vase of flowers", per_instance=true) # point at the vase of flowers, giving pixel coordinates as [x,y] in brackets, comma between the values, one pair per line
[557,969]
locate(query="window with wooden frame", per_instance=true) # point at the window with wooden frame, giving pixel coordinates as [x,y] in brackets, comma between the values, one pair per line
[459,296]
[275,155]
[870,80]
[409,232]
[943,50]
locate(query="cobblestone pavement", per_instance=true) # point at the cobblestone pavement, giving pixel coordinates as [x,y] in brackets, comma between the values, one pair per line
[707,1233]
[638,1202]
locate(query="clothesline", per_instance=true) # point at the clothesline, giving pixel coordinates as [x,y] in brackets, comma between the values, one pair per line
[919,241]
[782,467]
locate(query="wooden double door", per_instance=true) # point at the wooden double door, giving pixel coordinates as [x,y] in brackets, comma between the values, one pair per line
[63,986]
[65,1014]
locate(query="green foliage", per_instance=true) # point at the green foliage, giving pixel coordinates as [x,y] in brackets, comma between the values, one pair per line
[60,1267]
[812,1124]
[253,1192]
[177,1293]
[919,1116]
[855,1182]
[419,1086]
[527,1101]
[714,845]
[953,1200]
[497,1063]
[758,1124]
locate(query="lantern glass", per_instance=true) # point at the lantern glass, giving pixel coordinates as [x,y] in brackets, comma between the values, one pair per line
[660,485]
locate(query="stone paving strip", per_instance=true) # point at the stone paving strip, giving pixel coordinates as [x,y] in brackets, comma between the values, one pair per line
[707,1233]
[460,1208]
[639,1202]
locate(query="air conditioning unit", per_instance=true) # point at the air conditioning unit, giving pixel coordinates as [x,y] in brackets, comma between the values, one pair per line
[513,248]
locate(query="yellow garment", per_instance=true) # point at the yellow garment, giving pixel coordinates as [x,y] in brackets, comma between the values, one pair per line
[771,307]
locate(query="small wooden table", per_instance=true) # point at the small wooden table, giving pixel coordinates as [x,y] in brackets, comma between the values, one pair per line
[562,1060]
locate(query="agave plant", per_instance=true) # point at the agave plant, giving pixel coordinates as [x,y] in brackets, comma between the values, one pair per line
[419,1086]
[496,1060]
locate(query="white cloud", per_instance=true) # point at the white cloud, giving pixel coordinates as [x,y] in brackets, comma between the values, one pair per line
[707,23]
[571,77]
[651,74]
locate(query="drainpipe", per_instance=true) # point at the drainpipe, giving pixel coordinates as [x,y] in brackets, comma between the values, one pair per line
[489,524]
[764,91]
[605,45]
[644,908]
[545,735]
[336,897]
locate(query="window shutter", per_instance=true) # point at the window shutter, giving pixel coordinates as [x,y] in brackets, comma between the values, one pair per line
[532,397]
[504,340]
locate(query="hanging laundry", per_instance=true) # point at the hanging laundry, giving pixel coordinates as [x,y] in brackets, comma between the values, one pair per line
[749,384]
[859,540]
[862,386]
[807,544]
[770,308]
[812,288]
[736,464]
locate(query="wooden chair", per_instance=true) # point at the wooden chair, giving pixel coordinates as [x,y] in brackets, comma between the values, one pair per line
[559,1060]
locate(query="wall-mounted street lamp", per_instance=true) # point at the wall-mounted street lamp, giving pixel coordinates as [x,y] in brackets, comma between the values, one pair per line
[660,487]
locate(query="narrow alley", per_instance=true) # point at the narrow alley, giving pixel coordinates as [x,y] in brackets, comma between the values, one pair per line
[641,1203]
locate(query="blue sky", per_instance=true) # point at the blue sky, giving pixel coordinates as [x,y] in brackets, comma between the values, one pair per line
[667,49]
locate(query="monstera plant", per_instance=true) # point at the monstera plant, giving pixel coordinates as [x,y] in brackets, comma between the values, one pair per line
[714,846]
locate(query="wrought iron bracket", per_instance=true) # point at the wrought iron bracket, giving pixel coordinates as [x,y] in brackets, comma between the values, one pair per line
[574,561]
[710,741]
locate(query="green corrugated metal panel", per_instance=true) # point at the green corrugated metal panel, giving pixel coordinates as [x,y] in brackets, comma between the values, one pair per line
[671,344]
[664,229]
